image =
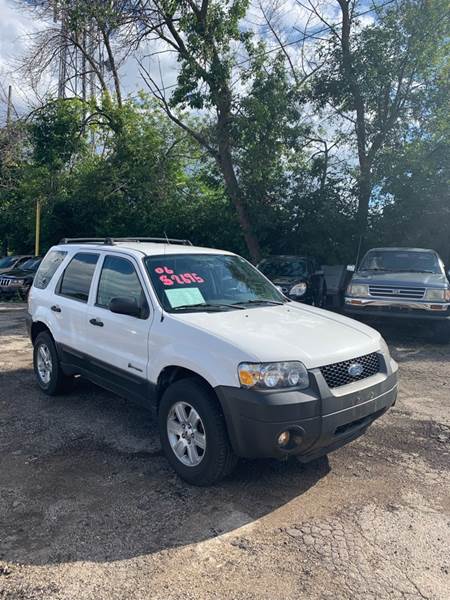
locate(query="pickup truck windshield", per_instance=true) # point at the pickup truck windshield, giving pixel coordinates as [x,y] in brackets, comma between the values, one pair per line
[278,267]
[400,261]
[209,282]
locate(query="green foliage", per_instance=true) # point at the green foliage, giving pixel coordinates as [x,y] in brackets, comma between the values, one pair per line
[56,133]
[110,168]
[208,54]
[146,178]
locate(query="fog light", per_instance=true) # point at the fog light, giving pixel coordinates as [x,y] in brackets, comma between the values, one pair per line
[283,438]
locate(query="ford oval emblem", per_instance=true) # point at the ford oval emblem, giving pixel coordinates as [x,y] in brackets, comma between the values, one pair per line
[355,369]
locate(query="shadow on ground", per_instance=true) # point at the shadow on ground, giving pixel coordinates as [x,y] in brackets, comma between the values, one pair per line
[82,478]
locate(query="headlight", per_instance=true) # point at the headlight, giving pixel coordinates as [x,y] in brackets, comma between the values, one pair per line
[357,289]
[435,295]
[298,290]
[273,375]
[17,281]
[384,348]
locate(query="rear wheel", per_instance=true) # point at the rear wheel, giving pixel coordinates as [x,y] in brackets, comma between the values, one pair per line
[193,433]
[47,368]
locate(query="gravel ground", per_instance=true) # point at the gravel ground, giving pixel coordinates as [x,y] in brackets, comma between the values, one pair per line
[89,508]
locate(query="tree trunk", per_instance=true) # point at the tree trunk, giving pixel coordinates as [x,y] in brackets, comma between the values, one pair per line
[364,193]
[113,67]
[232,186]
[364,179]
[225,162]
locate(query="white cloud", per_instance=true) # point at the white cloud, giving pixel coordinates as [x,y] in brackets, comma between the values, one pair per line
[15,27]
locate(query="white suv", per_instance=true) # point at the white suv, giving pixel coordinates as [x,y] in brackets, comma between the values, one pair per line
[230,366]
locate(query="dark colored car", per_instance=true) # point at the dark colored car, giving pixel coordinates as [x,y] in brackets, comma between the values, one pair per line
[7,263]
[300,278]
[401,283]
[17,282]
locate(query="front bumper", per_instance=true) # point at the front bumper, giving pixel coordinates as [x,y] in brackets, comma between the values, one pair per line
[320,419]
[12,291]
[399,309]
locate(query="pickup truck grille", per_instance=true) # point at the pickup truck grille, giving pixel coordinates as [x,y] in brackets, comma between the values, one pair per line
[338,374]
[411,293]
[4,282]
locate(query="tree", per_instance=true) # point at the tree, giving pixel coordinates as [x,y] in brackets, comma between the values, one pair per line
[374,76]
[202,35]
[414,177]
[81,45]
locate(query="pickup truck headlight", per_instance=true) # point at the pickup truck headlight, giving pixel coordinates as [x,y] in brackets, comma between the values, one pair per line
[358,289]
[298,290]
[436,295]
[17,281]
[273,375]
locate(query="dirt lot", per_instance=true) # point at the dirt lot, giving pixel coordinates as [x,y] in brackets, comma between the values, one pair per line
[90,509]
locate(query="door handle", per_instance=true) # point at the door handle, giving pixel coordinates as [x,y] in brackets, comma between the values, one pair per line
[96,322]
[55,308]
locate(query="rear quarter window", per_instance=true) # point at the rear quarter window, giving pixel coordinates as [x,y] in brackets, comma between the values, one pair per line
[48,268]
[76,279]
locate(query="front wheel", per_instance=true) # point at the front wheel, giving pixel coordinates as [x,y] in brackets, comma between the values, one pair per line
[193,433]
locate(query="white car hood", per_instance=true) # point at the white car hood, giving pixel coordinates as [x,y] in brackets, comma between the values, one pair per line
[290,332]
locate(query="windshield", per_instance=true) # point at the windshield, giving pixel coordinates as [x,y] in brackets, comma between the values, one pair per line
[400,261]
[31,264]
[283,267]
[191,282]
[7,261]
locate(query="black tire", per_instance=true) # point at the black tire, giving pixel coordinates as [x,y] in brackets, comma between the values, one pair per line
[57,382]
[442,332]
[218,459]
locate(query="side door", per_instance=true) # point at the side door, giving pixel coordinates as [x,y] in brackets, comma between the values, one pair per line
[69,306]
[119,343]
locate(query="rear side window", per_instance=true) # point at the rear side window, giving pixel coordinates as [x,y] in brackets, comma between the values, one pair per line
[77,278]
[48,268]
[119,279]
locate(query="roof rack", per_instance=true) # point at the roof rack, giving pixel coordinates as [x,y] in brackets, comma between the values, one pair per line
[111,241]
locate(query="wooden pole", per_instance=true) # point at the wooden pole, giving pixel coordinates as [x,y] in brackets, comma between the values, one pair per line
[38,228]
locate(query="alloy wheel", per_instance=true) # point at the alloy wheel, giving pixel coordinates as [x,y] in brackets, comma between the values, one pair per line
[186,434]
[44,363]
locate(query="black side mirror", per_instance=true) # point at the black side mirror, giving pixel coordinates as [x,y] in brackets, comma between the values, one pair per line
[125,306]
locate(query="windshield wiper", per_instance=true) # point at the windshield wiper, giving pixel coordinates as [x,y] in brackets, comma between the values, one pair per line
[416,271]
[206,305]
[262,301]
[377,269]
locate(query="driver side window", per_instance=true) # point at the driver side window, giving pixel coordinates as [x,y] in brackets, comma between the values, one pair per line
[119,279]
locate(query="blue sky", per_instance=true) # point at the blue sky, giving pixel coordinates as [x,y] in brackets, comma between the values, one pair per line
[16,25]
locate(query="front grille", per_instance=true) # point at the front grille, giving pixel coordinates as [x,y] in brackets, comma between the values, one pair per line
[4,282]
[338,374]
[411,293]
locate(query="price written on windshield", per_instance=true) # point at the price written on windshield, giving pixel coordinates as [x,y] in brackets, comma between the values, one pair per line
[169,277]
